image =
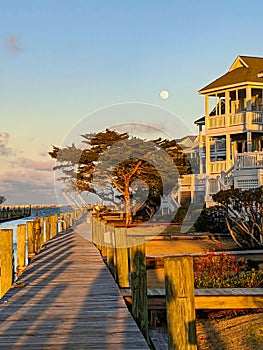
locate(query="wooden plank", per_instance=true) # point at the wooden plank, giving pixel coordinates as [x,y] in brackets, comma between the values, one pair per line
[69,301]
[220,298]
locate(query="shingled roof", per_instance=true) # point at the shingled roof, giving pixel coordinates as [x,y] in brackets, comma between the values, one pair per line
[244,69]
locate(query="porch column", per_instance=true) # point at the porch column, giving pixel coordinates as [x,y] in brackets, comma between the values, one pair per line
[207,112]
[249,141]
[207,150]
[227,117]
[201,150]
[228,152]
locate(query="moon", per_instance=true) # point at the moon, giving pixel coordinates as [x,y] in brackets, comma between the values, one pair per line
[164,94]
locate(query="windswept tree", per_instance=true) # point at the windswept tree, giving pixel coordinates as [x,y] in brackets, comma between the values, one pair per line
[118,167]
[2,199]
[244,215]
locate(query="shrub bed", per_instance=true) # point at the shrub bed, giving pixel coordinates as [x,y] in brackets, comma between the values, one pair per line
[225,271]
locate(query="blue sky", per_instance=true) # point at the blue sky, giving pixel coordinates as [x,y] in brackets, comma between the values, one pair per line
[63,60]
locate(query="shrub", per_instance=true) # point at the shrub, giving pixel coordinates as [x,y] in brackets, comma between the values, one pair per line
[212,220]
[225,271]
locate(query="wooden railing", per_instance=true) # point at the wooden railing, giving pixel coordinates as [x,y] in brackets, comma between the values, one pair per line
[124,253]
[30,238]
[218,167]
[246,118]
[249,160]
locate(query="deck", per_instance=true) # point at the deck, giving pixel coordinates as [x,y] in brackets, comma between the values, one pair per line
[67,299]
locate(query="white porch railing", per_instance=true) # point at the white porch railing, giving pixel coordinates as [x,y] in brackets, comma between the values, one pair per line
[249,160]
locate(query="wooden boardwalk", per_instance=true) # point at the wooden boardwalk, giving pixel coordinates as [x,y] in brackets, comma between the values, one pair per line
[69,301]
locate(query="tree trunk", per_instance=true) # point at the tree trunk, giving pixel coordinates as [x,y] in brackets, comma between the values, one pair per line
[127,201]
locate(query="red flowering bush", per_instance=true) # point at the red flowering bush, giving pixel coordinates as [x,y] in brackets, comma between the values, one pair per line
[222,270]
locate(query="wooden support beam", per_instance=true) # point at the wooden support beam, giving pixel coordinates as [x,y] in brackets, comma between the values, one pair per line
[6,260]
[180,306]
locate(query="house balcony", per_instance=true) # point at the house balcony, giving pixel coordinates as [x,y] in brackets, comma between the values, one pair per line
[238,122]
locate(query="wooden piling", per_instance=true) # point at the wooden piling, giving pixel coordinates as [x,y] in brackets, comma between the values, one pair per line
[139,288]
[48,229]
[109,240]
[30,239]
[42,232]
[103,243]
[21,249]
[37,235]
[180,307]
[122,265]
[6,260]
[54,225]
[61,222]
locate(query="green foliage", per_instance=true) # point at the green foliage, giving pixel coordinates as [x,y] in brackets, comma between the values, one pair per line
[244,215]
[212,220]
[119,168]
[225,271]
[180,214]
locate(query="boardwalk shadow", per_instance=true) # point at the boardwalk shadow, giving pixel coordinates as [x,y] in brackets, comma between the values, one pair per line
[70,301]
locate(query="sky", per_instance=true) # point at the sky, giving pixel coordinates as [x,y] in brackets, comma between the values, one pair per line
[72,63]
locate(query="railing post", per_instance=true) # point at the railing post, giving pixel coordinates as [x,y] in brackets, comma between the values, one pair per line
[21,249]
[6,260]
[37,234]
[54,225]
[139,287]
[61,222]
[122,267]
[180,303]
[48,228]
[109,239]
[103,224]
[30,239]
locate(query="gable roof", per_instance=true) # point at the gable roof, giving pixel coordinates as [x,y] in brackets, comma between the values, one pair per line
[244,69]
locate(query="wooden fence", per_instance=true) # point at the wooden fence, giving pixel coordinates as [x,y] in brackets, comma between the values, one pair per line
[30,239]
[125,256]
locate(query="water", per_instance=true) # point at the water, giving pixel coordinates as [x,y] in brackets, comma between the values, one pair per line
[42,212]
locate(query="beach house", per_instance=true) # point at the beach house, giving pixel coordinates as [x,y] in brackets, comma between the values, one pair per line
[229,151]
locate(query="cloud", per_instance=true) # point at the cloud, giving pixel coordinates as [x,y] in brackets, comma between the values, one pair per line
[4,150]
[12,44]
[27,186]
[27,163]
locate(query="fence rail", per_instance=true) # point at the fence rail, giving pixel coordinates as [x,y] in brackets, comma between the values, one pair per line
[125,256]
